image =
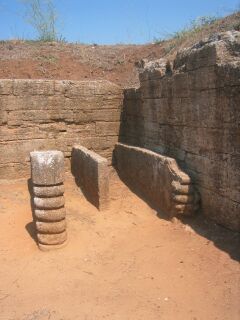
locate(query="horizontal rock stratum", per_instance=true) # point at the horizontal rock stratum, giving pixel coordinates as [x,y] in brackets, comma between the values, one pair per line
[55,114]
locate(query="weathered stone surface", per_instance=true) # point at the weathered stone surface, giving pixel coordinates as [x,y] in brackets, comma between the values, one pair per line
[50,215]
[47,167]
[193,116]
[180,189]
[45,247]
[48,192]
[86,88]
[218,48]
[154,176]
[154,69]
[47,176]
[92,174]
[49,203]
[107,128]
[184,199]
[6,87]
[51,227]
[52,239]
[49,114]
[23,87]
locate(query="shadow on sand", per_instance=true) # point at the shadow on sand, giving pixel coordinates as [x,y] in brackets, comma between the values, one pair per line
[30,227]
[224,239]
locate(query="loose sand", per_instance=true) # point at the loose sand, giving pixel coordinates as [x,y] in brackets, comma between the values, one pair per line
[124,263]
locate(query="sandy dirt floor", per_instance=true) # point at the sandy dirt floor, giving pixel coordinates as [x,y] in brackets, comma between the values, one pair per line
[124,263]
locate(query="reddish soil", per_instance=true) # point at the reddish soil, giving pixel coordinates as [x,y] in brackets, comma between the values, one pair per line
[117,63]
[124,263]
[74,61]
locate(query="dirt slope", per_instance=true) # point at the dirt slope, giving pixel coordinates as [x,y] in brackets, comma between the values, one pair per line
[38,60]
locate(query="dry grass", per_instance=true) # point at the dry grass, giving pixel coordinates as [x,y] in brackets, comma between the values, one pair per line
[117,63]
[197,30]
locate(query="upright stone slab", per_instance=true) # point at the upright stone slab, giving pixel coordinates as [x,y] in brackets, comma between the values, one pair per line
[47,171]
[158,178]
[92,174]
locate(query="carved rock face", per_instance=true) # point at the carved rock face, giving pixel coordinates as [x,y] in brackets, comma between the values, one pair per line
[158,178]
[49,203]
[47,167]
[92,174]
[48,189]
[48,192]
[50,215]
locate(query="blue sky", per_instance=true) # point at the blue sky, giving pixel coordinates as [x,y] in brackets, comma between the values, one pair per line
[114,21]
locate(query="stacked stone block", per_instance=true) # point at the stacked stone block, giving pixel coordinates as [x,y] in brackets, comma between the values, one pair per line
[193,116]
[47,169]
[55,115]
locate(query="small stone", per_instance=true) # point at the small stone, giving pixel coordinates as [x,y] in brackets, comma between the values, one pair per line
[50,215]
[52,239]
[189,229]
[185,209]
[49,203]
[48,192]
[182,189]
[184,199]
[46,247]
[51,227]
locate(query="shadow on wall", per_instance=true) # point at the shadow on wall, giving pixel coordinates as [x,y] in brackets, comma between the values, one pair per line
[77,170]
[91,174]
[131,123]
[79,182]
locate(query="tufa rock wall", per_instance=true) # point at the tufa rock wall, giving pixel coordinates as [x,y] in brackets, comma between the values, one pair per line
[193,115]
[47,114]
